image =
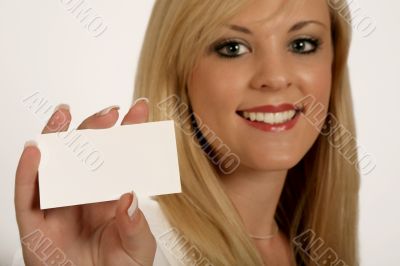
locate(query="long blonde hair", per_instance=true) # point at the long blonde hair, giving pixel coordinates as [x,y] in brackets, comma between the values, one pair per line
[320,193]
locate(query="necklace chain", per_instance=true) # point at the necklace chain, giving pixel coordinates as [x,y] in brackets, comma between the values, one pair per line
[267,236]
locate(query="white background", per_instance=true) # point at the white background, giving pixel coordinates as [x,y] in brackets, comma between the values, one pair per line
[45,49]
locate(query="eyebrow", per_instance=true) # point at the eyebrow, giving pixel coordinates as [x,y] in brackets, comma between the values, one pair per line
[296,27]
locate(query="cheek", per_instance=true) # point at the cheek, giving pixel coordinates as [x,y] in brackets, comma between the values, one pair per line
[316,81]
[215,91]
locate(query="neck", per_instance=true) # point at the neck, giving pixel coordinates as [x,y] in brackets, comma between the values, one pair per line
[255,195]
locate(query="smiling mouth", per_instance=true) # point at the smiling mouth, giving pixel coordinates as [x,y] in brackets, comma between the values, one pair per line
[272,115]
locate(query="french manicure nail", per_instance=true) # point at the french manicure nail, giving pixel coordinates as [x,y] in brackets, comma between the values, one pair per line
[134,206]
[107,110]
[62,106]
[30,143]
[140,99]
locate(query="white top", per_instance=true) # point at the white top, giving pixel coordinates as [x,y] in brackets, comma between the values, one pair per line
[163,232]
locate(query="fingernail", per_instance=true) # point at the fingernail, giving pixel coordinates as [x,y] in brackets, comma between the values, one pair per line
[107,110]
[134,206]
[62,106]
[140,99]
[30,143]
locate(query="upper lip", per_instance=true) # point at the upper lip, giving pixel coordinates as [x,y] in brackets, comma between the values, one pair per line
[273,108]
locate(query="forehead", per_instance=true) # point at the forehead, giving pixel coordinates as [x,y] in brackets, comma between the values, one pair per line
[270,14]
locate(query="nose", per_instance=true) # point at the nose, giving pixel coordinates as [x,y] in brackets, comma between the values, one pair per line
[271,72]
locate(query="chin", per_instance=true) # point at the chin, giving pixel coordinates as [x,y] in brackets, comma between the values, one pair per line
[272,163]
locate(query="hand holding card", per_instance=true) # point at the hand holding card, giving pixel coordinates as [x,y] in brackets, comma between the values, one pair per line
[82,228]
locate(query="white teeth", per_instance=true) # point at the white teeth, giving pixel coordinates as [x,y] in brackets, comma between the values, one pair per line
[278,117]
[253,116]
[270,118]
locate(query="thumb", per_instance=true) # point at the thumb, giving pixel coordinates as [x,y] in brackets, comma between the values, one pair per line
[134,231]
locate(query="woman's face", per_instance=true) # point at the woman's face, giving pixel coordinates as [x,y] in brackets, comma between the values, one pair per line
[271,55]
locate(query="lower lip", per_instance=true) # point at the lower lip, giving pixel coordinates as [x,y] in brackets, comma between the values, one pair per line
[276,127]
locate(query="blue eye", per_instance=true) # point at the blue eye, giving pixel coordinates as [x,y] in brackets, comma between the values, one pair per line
[231,49]
[305,45]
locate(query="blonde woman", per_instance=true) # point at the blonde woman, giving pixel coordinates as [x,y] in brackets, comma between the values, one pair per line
[263,183]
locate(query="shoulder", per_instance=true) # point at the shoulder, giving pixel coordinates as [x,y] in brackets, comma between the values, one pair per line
[154,215]
[165,235]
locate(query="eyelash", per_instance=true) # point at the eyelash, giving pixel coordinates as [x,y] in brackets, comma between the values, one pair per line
[315,42]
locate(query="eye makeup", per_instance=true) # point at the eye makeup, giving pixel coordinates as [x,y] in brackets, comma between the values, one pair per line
[231,48]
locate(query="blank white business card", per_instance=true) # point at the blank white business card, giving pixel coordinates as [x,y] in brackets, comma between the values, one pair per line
[95,165]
